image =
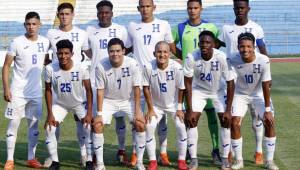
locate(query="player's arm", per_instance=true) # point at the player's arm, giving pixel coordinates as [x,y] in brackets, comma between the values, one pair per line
[179,112]
[262,48]
[226,117]
[100,96]
[175,51]
[50,121]
[148,99]
[47,60]
[89,97]
[88,53]
[137,103]
[5,77]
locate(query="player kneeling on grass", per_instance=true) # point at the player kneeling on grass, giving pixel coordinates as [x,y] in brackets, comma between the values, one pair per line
[252,87]
[118,82]
[203,71]
[163,86]
[70,83]
[24,97]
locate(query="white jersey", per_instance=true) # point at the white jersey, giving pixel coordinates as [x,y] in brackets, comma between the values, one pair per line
[77,36]
[29,59]
[164,84]
[144,37]
[251,75]
[231,32]
[207,74]
[98,40]
[118,82]
[68,87]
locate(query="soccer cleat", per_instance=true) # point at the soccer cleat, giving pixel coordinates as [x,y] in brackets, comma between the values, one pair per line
[83,160]
[121,157]
[100,167]
[34,163]
[238,164]
[152,165]
[193,165]
[89,165]
[133,160]
[54,166]
[225,164]
[182,165]
[258,157]
[164,159]
[215,154]
[9,165]
[140,166]
[47,162]
[270,165]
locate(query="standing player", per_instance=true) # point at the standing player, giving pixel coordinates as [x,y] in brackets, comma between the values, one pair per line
[99,37]
[118,81]
[186,34]
[24,96]
[163,86]
[144,35]
[252,87]
[203,71]
[69,82]
[79,38]
[229,36]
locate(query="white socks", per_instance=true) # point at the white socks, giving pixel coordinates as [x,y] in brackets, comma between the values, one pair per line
[163,133]
[51,143]
[121,131]
[237,146]
[258,129]
[270,144]
[98,141]
[11,136]
[150,138]
[181,138]
[81,137]
[33,135]
[225,141]
[140,138]
[192,134]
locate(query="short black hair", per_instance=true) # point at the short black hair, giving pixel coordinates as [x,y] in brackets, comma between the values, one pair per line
[199,1]
[32,14]
[208,33]
[104,3]
[247,1]
[65,5]
[246,36]
[115,41]
[64,44]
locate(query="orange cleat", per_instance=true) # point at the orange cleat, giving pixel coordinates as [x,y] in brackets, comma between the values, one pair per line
[133,160]
[259,159]
[34,163]
[164,159]
[182,165]
[9,165]
[152,165]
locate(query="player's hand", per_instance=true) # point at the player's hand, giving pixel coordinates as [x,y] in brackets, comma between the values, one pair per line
[7,95]
[149,116]
[268,117]
[50,121]
[226,119]
[180,115]
[87,120]
[139,117]
[191,118]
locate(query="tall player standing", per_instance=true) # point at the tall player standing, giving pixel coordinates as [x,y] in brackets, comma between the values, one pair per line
[144,35]
[79,38]
[99,37]
[229,36]
[24,96]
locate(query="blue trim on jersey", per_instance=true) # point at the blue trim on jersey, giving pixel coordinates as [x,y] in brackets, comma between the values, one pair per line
[260,42]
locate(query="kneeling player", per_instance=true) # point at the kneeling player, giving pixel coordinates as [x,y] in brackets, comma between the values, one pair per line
[252,87]
[163,86]
[203,71]
[69,82]
[118,82]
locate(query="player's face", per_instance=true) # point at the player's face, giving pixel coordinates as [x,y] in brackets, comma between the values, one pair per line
[206,44]
[146,8]
[32,26]
[246,49]
[65,16]
[241,9]
[162,53]
[116,54]
[64,56]
[194,9]
[104,15]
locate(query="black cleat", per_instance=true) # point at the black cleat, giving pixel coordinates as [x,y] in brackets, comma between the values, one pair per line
[54,166]
[89,165]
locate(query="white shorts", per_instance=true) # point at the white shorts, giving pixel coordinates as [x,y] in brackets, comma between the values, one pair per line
[240,105]
[20,107]
[199,101]
[111,107]
[60,112]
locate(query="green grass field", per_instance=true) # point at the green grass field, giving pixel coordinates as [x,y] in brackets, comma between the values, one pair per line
[286,98]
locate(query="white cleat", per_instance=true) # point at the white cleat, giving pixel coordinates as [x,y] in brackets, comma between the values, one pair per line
[140,166]
[47,162]
[100,167]
[225,164]
[238,164]
[270,165]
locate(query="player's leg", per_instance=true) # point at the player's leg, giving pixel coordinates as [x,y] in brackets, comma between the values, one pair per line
[162,132]
[120,128]
[81,140]
[239,106]
[212,123]
[270,135]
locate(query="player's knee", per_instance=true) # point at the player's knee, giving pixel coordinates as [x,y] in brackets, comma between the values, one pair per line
[235,124]
[139,126]
[97,125]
